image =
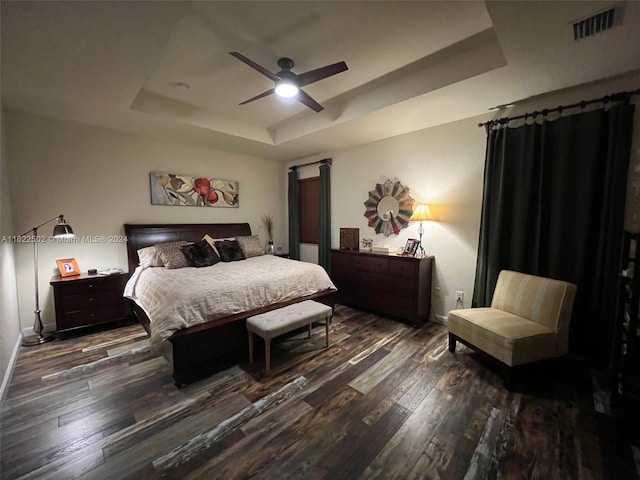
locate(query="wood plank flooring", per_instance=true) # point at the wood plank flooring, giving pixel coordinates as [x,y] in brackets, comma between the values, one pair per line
[384,401]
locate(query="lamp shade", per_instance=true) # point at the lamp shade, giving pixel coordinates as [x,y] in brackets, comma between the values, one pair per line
[421,213]
[62,229]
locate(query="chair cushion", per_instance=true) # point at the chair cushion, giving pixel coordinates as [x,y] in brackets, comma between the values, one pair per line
[510,338]
[543,300]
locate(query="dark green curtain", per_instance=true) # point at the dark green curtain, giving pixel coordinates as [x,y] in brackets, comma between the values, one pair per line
[553,205]
[324,226]
[294,218]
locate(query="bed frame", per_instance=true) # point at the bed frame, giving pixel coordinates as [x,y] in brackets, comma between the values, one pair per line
[194,352]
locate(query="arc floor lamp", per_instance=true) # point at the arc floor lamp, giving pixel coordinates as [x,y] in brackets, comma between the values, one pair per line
[61,230]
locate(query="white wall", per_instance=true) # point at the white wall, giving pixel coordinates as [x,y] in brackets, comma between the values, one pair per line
[99,179]
[443,166]
[9,320]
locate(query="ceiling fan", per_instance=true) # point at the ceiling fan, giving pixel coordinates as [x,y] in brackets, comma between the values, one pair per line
[288,84]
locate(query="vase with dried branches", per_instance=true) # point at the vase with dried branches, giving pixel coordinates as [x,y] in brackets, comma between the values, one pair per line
[267,219]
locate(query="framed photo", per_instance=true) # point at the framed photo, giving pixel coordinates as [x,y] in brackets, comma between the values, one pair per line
[349,238]
[68,267]
[411,247]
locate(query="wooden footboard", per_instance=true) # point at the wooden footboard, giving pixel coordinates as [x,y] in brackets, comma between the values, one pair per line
[199,350]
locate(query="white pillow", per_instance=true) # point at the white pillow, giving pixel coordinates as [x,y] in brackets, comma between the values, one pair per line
[150,257]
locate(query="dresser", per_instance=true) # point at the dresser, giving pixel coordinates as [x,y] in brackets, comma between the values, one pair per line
[390,284]
[85,300]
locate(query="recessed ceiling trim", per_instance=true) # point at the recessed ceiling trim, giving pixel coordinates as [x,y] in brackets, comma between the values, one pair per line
[152,103]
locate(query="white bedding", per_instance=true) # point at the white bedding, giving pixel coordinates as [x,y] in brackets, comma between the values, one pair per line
[179,298]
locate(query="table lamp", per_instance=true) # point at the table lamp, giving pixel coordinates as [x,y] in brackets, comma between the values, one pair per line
[420,214]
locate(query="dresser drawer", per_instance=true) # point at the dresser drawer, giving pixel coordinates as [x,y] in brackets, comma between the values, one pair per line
[402,268]
[401,306]
[388,284]
[376,263]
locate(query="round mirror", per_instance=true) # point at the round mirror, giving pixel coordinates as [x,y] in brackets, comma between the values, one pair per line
[389,207]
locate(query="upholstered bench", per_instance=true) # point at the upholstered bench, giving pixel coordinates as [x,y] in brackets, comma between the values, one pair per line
[283,320]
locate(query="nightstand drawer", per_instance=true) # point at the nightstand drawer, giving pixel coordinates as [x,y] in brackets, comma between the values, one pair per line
[89,316]
[88,300]
[89,286]
[71,303]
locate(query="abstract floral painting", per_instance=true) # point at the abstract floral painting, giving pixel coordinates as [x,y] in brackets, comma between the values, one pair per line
[191,191]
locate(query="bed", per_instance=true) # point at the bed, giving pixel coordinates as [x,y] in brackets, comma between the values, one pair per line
[196,350]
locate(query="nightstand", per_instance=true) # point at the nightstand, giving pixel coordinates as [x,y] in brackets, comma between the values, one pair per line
[86,300]
[281,255]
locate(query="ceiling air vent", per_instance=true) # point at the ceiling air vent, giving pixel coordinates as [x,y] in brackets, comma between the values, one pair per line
[598,22]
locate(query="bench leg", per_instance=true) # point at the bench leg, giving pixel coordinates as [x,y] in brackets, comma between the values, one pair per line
[309,331]
[250,347]
[326,326]
[452,342]
[267,355]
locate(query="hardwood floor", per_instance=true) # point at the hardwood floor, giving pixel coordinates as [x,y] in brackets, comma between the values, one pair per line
[384,401]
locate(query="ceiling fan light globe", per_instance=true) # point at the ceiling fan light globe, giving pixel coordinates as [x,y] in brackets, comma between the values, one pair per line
[286,89]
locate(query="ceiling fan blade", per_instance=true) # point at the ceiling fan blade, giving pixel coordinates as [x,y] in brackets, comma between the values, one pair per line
[309,102]
[257,97]
[254,65]
[311,76]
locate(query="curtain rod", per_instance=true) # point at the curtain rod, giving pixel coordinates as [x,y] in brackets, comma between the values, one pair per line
[324,160]
[606,99]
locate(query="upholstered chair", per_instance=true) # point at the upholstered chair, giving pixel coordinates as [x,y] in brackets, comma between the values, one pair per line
[528,321]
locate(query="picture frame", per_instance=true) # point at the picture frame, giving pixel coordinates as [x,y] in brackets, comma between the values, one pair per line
[349,238]
[410,247]
[68,267]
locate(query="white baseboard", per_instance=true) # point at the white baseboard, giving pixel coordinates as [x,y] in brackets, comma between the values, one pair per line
[441,319]
[27,332]
[9,372]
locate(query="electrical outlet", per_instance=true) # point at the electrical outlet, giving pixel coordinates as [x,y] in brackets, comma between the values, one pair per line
[459,296]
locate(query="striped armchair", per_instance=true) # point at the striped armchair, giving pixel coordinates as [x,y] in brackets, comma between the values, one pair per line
[528,320]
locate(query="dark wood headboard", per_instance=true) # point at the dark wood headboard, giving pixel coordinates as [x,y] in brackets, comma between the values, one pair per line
[144,235]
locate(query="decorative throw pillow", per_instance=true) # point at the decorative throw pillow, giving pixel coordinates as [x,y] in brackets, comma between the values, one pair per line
[212,241]
[200,254]
[250,246]
[171,255]
[229,250]
[149,257]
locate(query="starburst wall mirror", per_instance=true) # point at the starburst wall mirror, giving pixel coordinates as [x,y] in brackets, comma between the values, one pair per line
[389,207]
